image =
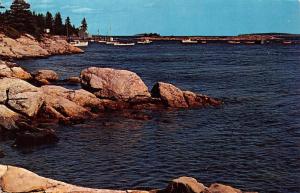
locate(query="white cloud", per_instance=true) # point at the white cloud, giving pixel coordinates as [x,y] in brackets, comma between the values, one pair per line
[82,10]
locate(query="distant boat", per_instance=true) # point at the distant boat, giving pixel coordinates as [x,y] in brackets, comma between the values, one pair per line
[234,42]
[203,42]
[123,44]
[78,43]
[110,41]
[189,41]
[144,42]
[250,42]
[287,42]
[101,41]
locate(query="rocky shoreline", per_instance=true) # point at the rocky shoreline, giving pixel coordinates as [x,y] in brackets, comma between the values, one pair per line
[16,180]
[28,47]
[31,104]
[27,101]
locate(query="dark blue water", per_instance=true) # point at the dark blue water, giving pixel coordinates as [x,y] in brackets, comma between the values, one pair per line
[252,142]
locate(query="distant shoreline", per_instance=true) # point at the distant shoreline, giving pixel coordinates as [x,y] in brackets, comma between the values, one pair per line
[244,38]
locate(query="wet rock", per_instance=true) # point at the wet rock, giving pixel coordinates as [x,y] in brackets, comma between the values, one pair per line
[220,188]
[12,70]
[81,97]
[20,96]
[173,97]
[137,115]
[184,185]
[2,154]
[192,99]
[63,110]
[170,95]
[191,185]
[113,84]
[73,80]
[45,77]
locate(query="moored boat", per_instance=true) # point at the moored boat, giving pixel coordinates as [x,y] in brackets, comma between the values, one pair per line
[234,42]
[78,43]
[123,44]
[287,42]
[250,42]
[189,41]
[144,41]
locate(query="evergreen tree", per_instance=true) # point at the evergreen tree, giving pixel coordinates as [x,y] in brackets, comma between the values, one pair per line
[58,25]
[40,21]
[20,15]
[49,21]
[68,27]
[84,25]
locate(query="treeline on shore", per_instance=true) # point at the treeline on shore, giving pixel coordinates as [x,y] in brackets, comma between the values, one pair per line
[19,19]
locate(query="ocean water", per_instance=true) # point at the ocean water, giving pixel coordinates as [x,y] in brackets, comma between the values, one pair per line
[252,142]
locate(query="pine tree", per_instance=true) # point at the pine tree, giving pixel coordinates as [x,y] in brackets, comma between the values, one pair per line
[58,25]
[68,27]
[84,25]
[20,15]
[49,22]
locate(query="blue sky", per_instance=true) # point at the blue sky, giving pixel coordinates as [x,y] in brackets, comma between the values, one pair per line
[178,17]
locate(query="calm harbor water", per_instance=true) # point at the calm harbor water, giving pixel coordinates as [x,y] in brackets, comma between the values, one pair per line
[252,142]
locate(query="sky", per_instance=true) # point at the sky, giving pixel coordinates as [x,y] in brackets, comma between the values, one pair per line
[177,17]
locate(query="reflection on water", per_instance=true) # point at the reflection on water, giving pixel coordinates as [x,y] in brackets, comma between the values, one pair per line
[252,142]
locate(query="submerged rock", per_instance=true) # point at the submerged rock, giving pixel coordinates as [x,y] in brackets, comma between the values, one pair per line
[36,137]
[113,84]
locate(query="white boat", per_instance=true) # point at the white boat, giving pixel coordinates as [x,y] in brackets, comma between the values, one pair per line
[111,41]
[145,42]
[102,41]
[250,42]
[123,44]
[234,42]
[189,41]
[78,43]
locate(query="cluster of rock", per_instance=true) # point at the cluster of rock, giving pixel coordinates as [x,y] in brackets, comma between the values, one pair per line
[27,47]
[15,180]
[28,99]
